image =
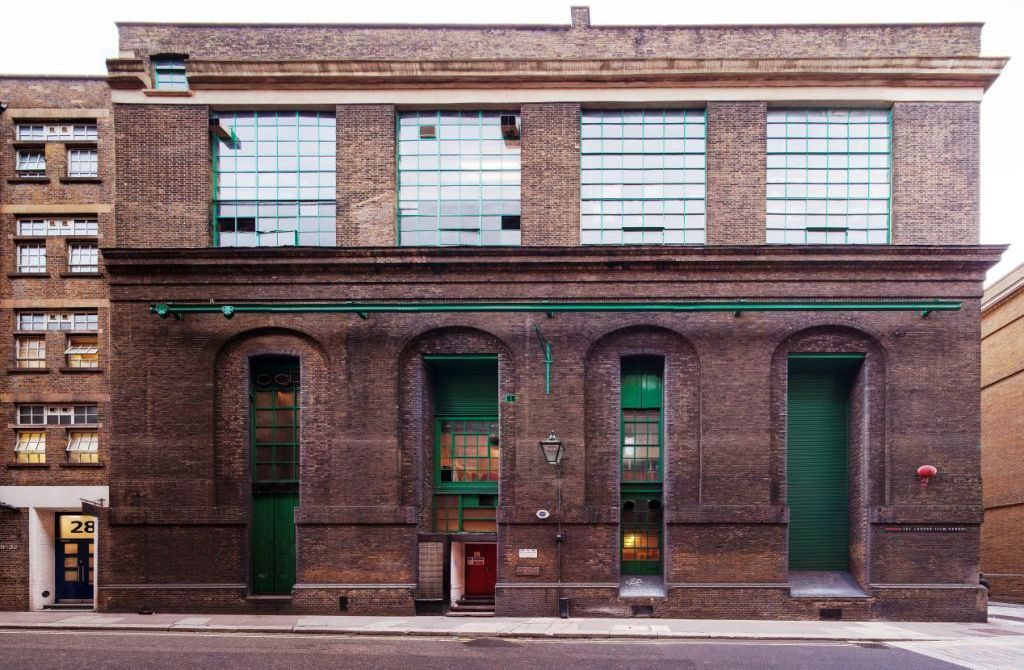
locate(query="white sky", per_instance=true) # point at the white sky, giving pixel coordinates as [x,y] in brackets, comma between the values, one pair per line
[30,35]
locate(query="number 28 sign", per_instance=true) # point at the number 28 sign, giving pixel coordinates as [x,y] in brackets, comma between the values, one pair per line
[77,527]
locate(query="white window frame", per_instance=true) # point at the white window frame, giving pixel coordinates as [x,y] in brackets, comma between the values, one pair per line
[31,411]
[30,446]
[30,163]
[83,163]
[91,254]
[83,446]
[78,354]
[84,227]
[21,349]
[31,258]
[56,132]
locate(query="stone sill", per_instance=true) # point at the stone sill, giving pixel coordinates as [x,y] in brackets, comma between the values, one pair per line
[82,371]
[28,180]
[80,275]
[83,465]
[157,93]
[81,180]
[28,466]
[28,275]
[27,371]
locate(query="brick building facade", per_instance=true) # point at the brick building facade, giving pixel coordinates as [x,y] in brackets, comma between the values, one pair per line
[1002,362]
[359,273]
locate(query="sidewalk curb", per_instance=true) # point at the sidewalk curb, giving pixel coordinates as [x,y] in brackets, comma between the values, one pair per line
[457,635]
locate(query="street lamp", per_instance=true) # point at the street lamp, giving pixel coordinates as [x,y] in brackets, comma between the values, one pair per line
[554,451]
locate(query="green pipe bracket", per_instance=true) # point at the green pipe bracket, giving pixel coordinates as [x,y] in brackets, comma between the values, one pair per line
[545,345]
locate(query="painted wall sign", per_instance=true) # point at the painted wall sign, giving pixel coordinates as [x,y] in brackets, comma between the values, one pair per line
[475,560]
[925,529]
[527,553]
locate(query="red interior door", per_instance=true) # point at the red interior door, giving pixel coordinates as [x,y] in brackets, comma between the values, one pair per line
[481,569]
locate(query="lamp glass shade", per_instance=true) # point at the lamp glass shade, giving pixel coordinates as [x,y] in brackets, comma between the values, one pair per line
[553,449]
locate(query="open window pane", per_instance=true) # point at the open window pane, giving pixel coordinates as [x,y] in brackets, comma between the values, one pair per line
[30,447]
[83,351]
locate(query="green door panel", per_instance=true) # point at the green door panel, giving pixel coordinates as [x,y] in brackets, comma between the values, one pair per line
[273,543]
[818,465]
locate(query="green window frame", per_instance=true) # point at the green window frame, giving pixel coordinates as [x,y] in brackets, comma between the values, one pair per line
[465,513]
[643,176]
[169,74]
[275,420]
[641,456]
[829,176]
[274,179]
[459,178]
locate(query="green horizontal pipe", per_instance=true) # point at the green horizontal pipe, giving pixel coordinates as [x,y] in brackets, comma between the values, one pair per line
[165,309]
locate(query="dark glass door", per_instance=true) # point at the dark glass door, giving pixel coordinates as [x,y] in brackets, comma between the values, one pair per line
[75,569]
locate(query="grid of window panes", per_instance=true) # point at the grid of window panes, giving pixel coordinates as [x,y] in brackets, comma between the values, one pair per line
[75,321]
[275,179]
[31,415]
[642,177]
[31,164]
[83,163]
[83,258]
[829,176]
[641,445]
[30,352]
[83,447]
[169,74]
[57,132]
[57,227]
[275,429]
[469,451]
[641,528]
[83,351]
[465,513]
[30,447]
[32,258]
[458,179]
[58,415]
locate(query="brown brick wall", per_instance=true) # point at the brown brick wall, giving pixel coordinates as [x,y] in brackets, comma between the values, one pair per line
[163,176]
[367,177]
[1002,455]
[551,175]
[297,42]
[935,179]
[13,559]
[736,172]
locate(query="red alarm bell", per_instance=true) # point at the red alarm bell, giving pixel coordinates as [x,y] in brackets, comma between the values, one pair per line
[925,473]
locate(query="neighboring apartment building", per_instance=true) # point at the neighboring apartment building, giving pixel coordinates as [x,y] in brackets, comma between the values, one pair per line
[365,280]
[57,209]
[1002,435]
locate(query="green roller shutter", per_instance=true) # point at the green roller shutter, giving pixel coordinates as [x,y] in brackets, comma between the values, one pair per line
[465,387]
[818,463]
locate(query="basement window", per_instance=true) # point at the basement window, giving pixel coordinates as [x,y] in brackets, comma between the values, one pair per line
[169,74]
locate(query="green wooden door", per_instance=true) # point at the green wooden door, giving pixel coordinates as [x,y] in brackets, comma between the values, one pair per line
[818,463]
[273,543]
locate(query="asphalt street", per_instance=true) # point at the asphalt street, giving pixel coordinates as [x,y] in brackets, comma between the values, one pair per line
[99,650]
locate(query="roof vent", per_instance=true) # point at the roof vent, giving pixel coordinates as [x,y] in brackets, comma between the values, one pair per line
[580,17]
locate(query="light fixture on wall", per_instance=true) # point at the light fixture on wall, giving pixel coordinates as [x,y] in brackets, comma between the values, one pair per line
[553,450]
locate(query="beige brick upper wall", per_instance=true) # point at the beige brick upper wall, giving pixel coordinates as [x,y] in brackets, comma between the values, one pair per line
[411,42]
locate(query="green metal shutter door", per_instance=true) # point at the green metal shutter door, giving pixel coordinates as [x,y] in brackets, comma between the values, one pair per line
[818,469]
[273,543]
[470,395]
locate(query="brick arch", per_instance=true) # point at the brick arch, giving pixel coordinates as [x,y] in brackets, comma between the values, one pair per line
[868,421]
[415,401]
[682,412]
[232,408]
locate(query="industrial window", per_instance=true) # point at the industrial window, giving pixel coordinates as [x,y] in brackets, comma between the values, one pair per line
[30,447]
[32,258]
[465,513]
[83,163]
[83,447]
[74,321]
[31,415]
[458,178]
[641,471]
[274,179]
[57,227]
[275,420]
[469,451]
[47,132]
[169,74]
[30,352]
[31,163]
[642,178]
[83,351]
[83,258]
[58,415]
[829,175]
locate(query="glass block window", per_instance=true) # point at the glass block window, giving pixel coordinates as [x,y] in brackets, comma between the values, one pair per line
[430,571]
[275,421]
[642,178]
[30,352]
[469,451]
[83,447]
[458,178]
[31,415]
[77,321]
[30,447]
[32,258]
[31,163]
[83,163]
[83,351]
[57,132]
[169,74]
[57,227]
[275,180]
[466,513]
[83,258]
[829,176]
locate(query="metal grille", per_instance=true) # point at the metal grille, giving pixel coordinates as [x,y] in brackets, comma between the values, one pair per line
[458,179]
[829,175]
[275,419]
[642,177]
[274,180]
[430,585]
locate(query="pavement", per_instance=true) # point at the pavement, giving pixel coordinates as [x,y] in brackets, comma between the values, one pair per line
[1006,624]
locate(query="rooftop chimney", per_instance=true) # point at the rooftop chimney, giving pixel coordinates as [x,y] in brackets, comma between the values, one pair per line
[580,17]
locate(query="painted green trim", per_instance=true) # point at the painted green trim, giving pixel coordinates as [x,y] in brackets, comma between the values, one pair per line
[545,345]
[165,309]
